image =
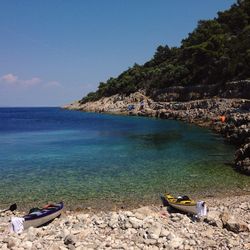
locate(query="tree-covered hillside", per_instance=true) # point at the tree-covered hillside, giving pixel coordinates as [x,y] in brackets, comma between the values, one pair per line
[216,52]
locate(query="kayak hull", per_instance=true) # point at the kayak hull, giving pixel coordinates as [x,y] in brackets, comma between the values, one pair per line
[186,205]
[39,218]
[183,208]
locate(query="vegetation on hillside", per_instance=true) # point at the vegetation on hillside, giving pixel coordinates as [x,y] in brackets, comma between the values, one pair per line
[217,51]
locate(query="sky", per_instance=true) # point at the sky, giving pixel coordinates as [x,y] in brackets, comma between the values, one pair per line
[53,52]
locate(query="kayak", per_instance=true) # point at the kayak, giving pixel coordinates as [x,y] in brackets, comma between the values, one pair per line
[182,203]
[42,216]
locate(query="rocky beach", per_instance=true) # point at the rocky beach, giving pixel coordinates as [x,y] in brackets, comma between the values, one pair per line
[152,227]
[107,172]
[227,224]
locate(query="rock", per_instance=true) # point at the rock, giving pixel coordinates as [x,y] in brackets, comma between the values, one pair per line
[233,224]
[150,241]
[82,217]
[4,247]
[113,223]
[27,245]
[98,221]
[176,242]
[192,242]
[64,232]
[208,233]
[139,216]
[213,218]
[171,236]
[232,242]
[103,225]
[69,240]
[225,216]
[5,240]
[80,248]
[136,223]
[175,217]
[129,214]
[127,225]
[211,243]
[71,247]
[164,232]
[154,231]
[245,206]
[39,245]
[84,233]
[55,246]
[10,243]
[247,246]
[31,234]
[149,220]
[131,232]
[143,212]
[63,248]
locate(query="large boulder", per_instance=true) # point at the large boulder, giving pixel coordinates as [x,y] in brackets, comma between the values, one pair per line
[154,231]
[213,218]
[242,159]
[244,166]
[233,224]
[136,223]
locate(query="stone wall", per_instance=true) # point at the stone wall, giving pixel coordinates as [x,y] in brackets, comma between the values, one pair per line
[236,89]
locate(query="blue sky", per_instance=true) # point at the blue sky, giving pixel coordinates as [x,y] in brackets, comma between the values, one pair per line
[55,51]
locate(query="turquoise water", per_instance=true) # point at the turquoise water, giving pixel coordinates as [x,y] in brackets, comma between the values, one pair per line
[87,159]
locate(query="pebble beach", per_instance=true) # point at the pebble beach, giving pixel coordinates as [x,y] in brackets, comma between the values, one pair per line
[226,226]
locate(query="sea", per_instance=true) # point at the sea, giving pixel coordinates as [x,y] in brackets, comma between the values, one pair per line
[100,161]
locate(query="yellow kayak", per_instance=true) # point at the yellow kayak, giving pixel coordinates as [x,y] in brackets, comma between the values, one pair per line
[182,203]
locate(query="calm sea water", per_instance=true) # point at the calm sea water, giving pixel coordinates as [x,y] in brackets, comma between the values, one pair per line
[87,159]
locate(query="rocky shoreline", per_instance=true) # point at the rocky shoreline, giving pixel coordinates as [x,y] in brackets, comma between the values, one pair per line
[229,117]
[226,226]
[153,227]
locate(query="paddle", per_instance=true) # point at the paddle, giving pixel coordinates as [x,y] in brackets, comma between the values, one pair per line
[12,208]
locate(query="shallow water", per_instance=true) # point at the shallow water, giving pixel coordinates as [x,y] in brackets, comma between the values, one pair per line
[87,159]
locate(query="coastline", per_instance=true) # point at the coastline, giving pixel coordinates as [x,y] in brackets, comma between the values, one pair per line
[105,205]
[229,117]
[150,225]
[197,185]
